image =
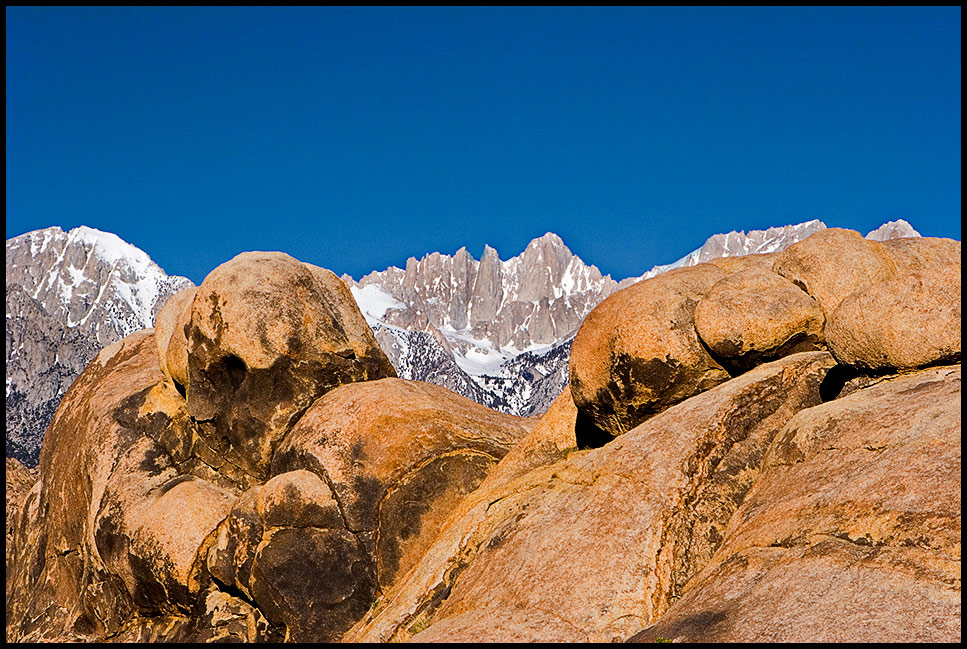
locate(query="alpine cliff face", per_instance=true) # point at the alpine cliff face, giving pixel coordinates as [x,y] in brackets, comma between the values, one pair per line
[506,324]
[69,294]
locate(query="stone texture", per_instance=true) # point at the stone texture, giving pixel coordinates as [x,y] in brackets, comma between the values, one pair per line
[267,337]
[850,534]
[637,352]
[286,547]
[59,578]
[832,263]
[902,324]
[755,316]
[19,481]
[69,294]
[603,539]
[123,536]
[762,261]
[399,456]
[921,253]
[551,440]
[170,336]
[507,623]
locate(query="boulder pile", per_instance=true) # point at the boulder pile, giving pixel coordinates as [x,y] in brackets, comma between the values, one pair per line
[761,448]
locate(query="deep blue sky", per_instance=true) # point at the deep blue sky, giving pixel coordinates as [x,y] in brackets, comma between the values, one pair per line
[355,138]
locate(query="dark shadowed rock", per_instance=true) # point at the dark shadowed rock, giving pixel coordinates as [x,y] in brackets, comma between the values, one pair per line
[603,539]
[399,456]
[269,335]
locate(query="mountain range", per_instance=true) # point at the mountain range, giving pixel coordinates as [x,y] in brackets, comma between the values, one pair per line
[496,331]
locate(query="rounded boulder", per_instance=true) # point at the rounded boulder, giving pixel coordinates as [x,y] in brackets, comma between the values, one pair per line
[268,336]
[832,263]
[903,324]
[170,337]
[756,316]
[637,352]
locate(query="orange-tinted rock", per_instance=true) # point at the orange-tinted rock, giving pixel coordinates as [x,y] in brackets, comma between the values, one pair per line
[62,591]
[832,263]
[919,253]
[505,622]
[755,316]
[906,323]
[399,456]
[170,336]
[851,532]
[551,440]
[603,538]
[269,335]
[637,352]
[763,261]
[285,545]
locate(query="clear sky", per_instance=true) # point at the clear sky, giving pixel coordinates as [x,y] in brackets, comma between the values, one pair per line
[355,138]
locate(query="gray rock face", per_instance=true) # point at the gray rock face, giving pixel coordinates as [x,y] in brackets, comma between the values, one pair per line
[536,298]
[68,295]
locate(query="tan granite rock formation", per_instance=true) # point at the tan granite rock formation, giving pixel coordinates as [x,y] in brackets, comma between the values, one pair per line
[600,542]
[851,533]
[637,352]
[832,263]
[919,253]
[169,333]
[905,323]
[269,335]
[754,316]
[362,484]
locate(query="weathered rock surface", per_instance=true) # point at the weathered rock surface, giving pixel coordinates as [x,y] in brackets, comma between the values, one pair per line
[19,481]
[920,253]
[851,532]
[832,263]
[754,316]
[905,323]
[399,455]
[602,540]
[813,497]
[637,352]
[114,541]
[170,336]
[268,335]
[68,295]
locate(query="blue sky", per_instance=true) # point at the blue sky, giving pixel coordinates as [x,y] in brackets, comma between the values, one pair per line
[355,138]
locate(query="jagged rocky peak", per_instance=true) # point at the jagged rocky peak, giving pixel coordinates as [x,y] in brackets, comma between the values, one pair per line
[488,299]
[68,295]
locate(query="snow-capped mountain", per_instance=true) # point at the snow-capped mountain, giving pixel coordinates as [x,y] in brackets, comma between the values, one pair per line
[69,294]
[506,324]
